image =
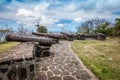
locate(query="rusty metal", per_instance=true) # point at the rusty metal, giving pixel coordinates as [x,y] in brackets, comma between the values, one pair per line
[55,36]
[66,34]
[101,36]
[98,36]
[70,37]
[42,41]
[41,51]
[80,36]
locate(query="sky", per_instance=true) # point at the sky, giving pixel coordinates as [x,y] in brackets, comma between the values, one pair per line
[56,15]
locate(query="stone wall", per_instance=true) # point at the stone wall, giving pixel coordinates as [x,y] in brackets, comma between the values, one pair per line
[19,69]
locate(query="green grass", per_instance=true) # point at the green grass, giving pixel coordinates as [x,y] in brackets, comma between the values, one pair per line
[7,46]
[101,57]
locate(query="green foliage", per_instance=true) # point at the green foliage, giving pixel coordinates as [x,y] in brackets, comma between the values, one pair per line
[41,29]
[109,31]
[90,25]
[116,30]
[103,28]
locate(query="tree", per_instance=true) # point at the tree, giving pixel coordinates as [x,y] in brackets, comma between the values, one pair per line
[90,25]
[109,31]
[103,28]
[3,33]
[84,27]
[116,30]
[41,29]
[22,31]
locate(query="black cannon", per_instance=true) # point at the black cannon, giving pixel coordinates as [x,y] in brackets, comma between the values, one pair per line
[80,36]
[42,41]
[101,36]
[41,45]
[70,37]
[97,36]
[55,36]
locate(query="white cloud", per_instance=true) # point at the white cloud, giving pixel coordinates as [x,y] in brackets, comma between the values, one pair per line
[78,19]
[60,25]
[70,7]
[24,13]
[77,11]
[41,7]
[46,21]
[48,17]
[32,16]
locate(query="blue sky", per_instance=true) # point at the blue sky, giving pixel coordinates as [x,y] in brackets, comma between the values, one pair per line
[55,14]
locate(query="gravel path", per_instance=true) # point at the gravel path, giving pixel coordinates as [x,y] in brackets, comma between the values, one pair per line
[63,65]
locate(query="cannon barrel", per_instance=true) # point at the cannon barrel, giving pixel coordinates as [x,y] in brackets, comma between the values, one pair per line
[79,34]
[66,34]
[70,37]
[56,36]
[101,36]
[42,41]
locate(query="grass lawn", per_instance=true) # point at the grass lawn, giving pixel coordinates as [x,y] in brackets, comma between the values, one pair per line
[7,46]
[101,57]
